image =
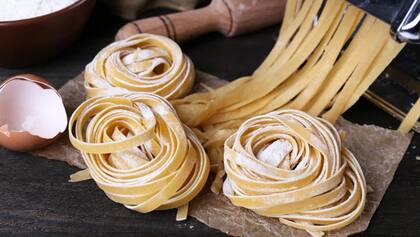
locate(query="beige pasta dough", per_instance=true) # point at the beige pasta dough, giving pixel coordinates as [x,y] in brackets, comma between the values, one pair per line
[138,152]
[411,118]
[289,165]
[141,63]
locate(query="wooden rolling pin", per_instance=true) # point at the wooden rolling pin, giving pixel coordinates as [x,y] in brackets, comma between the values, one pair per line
[230,17]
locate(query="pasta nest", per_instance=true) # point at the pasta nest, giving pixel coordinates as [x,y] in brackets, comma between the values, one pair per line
[138,152]
[292,166]
[141,63]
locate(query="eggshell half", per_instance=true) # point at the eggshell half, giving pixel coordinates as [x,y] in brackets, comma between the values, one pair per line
[32,113]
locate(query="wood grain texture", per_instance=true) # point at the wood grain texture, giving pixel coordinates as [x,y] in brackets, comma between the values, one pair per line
[37,200]
[230,17]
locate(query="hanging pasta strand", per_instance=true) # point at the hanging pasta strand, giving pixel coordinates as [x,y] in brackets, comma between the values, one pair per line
[326,56]
[411,118]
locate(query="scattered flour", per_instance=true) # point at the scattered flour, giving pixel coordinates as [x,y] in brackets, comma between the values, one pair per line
[12,10]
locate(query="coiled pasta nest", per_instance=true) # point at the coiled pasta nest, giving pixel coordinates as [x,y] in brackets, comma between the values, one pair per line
[292,166]
[138,152]
[141,63]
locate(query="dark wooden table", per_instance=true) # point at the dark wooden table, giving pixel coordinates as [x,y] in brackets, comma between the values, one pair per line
[36,199]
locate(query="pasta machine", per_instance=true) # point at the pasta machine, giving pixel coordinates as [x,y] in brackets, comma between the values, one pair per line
[402,15]
[404,18]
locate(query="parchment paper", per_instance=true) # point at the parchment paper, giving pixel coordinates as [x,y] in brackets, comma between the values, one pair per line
[378,150]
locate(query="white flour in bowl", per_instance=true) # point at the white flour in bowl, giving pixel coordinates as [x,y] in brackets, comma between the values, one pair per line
[12,10]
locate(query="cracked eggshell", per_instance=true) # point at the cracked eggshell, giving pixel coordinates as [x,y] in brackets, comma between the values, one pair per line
[32,113]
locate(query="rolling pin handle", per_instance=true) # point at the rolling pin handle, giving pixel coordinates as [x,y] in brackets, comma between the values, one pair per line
[230,17]
[180,26]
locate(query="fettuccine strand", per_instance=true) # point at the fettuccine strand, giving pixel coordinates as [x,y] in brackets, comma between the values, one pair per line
[326,56]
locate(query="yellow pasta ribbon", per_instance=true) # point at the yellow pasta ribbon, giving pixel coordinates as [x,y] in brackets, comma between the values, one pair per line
[292,166]
[141,63]
[138,152]
[326,56]
[410,120]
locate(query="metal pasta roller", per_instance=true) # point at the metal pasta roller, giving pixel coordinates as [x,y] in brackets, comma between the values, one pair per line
[399,84]
[402,15]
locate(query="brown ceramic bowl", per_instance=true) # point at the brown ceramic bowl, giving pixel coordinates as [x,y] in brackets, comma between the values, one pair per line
[35,40]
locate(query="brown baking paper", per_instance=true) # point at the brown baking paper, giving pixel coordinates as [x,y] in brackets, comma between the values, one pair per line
[378,150]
